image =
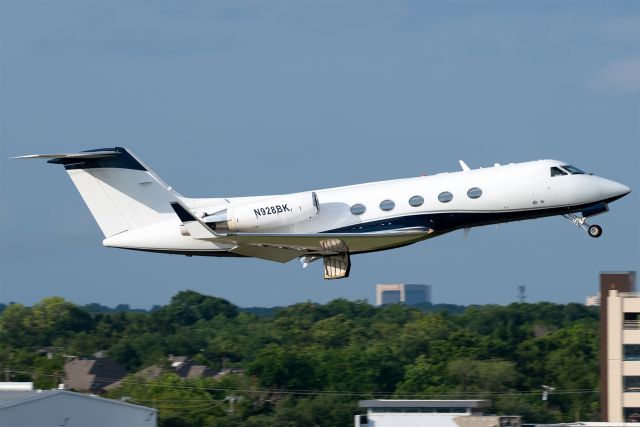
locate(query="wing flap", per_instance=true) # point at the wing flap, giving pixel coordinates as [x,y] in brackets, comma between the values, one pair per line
[268,253]
[326,243]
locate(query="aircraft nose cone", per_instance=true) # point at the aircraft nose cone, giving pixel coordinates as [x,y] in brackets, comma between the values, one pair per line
[613,189]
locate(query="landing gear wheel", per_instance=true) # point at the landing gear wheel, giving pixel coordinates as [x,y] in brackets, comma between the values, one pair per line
[595,231]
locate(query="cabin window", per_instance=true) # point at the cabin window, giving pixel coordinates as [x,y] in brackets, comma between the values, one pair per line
[416,201]
[474,193]
[445,197]
[556,171]
[573,170]
[358,209]
[387,205]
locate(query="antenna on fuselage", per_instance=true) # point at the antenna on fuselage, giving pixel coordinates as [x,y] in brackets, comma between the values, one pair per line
[464,166]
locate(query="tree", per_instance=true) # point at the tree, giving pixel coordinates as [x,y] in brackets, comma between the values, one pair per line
[179,402]
[51,318]
[12,326]
[421,378]
[481,375]
[285,368]
[189,307]
[136,351]
[531,408]
[332,332]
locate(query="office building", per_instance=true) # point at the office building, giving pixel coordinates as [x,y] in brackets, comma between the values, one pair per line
[410,294]
[619,348]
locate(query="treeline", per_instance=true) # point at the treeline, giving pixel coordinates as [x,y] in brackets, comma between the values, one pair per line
[309,364]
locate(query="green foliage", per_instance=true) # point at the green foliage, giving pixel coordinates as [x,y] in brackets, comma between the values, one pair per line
[481,375]
[422,378]
[285,368]
[529,407]
[180,403]
[12,326]
[309,364]
[95,308]
[37,326]
[189,307]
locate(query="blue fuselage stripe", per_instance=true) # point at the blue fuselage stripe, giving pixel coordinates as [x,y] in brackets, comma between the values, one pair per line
[444,222]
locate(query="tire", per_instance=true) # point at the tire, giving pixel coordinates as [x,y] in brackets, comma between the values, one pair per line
[595,231]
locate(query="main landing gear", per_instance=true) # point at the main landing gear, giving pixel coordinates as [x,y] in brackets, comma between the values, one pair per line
[594,231]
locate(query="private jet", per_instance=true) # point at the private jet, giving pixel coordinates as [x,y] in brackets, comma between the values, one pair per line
[137,210]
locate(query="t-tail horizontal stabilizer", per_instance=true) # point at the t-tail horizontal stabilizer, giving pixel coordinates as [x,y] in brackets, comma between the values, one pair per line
[83,155]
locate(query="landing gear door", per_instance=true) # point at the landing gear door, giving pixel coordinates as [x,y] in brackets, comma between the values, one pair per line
[595,210]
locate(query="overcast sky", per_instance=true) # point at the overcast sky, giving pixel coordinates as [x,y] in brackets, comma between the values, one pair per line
[231,98]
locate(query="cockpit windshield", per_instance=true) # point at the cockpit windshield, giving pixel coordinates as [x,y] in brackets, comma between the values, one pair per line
[556,171]
[573,170]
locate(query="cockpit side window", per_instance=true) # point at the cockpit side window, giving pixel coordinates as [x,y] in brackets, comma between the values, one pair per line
[573,170]
[556,171]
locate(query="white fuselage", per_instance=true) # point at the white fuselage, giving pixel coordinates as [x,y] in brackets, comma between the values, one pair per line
[135,209]
[506,193]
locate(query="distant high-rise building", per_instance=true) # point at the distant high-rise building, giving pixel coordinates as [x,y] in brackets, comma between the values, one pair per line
[410,294]
[619,347]
[592,301]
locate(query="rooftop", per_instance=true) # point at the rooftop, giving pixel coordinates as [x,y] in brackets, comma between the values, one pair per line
[14,397]
[92,374]
[397,403]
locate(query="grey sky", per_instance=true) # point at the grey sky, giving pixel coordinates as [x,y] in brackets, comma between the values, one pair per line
[243,98]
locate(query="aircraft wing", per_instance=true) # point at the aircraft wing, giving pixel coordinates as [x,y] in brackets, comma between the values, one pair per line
[285,247]
[297,245]
[267,253]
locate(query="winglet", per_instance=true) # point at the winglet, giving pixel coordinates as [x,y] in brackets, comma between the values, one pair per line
[464,166]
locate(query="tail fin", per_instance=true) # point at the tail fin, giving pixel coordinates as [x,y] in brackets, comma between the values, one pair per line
[119,190]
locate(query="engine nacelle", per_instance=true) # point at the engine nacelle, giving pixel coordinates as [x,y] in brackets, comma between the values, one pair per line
[266,213]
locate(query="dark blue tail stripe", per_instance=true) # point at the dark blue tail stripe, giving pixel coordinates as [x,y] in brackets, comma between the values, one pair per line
[123,160]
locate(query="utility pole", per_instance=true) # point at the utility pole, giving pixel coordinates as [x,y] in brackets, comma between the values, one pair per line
[546,391]
[232,400]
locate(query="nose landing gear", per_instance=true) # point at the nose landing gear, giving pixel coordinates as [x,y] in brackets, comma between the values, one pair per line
[594,231]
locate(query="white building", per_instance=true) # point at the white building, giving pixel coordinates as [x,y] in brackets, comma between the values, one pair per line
[430,413]
[592,301]
[619,347]
[22,407]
